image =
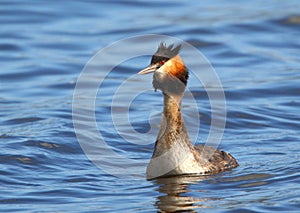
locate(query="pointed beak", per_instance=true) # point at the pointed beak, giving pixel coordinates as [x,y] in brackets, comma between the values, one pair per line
[151,68]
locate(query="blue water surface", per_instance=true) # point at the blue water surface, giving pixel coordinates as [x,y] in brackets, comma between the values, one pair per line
[254,48]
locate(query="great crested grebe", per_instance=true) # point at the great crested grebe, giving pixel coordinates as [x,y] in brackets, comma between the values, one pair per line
[174,154]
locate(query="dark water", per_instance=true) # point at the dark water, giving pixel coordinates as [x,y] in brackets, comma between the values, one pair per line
[254,48]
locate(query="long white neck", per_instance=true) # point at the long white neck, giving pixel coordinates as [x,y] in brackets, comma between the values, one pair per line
[172,111]
[172,130]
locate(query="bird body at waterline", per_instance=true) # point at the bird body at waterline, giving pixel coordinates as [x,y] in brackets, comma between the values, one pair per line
[174,154]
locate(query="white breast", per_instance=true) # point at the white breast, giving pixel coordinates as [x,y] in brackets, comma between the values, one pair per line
[177,160]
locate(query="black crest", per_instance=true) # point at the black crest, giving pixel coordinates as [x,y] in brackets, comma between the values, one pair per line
[167,52]
[164,52]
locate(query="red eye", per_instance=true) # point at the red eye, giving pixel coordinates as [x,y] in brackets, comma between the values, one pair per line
[162,62]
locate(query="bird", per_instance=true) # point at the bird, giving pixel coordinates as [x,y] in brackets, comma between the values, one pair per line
[174,154]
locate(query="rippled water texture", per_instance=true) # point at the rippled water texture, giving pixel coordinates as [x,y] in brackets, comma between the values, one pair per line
[254,48]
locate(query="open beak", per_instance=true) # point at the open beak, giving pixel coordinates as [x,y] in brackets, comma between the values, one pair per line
[151,68]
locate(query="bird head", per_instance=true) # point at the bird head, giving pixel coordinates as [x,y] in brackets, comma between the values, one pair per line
[170,73]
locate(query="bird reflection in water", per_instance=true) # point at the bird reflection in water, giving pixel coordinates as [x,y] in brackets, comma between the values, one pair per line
[175,198]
